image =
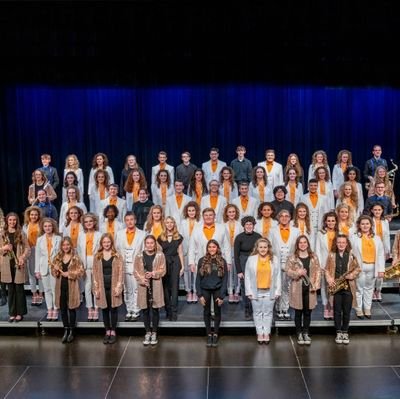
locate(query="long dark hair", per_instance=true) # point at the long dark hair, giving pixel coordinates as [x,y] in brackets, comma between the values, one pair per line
[208,260]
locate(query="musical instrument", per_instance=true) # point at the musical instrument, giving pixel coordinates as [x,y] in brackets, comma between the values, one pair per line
[392,271]
[341,283]
[307,282]
[150,286]
[6,240]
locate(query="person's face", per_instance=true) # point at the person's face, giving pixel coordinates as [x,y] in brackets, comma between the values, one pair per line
[106,243]
[301,213]
[341,243]
[131,162]
[212,249]
[214,187]
[270,156]
[321,174]
[240,153]
[380,189]
[89,223]
[244,190]
[319,158]
[163,177]
[343,214]
[73,215]
[66,247]
[280,195]
[293,160]
[99,161]
[130,221]
[292,175]
[231,213]
[198,176]
[303,244]
[284,219]
[208,218]
[142,196]
[260,173]
[226,174]
[110,214]
[179,187]
[113,191]
[191,211]
[71,194]
[70,180]
[377,211]
[136,177]
[266,211]
[313,187]
[150,245]
[345,157]
[42,196]
[162,158]
[365,226]
[381,173]
[101,178]
[352,175]
[47,228]
[185,158]
[248,227]
[33,216]
[12,222]
[71,161]
[45,161]
[377,152]
[214,155]
[169,224]
[262,248]
[38,176]
[331,222]
[156,215]
[347,190]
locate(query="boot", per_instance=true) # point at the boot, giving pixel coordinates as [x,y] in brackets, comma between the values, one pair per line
[3,295]
[65,336]
[71,335]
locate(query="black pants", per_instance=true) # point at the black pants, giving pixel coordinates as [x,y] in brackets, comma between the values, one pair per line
[342,302]
[68,316]
[171,287]
[151,316]
[302,317]
[208,296]
[16,300]
[110,314]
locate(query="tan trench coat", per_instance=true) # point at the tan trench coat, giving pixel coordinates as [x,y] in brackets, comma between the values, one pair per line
[157,286]
[75,273]
[331,268]
[293,266]
[23,252]
[117,282]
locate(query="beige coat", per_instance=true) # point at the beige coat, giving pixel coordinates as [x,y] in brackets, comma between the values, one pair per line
[75,272]
[23,252]
[331,269]
[117,282]
[293,266]
[157,285]
[396,248]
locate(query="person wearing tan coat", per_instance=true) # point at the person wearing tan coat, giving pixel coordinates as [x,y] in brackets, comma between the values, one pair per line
[305,273]
[107,285]
[67,269]
[149,268]
[14,252]
[341,260]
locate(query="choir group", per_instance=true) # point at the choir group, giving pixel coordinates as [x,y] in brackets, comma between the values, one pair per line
[249,233]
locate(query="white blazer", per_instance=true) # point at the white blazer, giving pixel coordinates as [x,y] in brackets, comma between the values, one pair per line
[79,176]
[252,207]
[321,248]
[329,195]
[379,253]
[299,192]
[42,255]
[352,230]
[357,212]
[168,168]
[184,232]
[238,230]
[311,237]
[311,171]
[94,200]
[275,177]
[198,242]
[219,210]
[117,227]
[171,208]
[156,193]
[386,235]
[127,251]
[121,205]
[317,213]
[282,250]
[92,183]
[268,194]
[64,209]
[233,193]
[81,247]
[66,230]
[209,174]
[250,277]
[258,228]
[337,177]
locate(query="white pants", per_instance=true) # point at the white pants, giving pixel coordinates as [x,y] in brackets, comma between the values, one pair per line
[378,284]
[263,308]
[131,294]
[189,277]
[233,279]
[89,297]
[49,285]
[365,286]
[283,302]
[325,297]
[31,273]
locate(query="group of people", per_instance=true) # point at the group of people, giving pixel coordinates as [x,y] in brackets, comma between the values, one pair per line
[245,232]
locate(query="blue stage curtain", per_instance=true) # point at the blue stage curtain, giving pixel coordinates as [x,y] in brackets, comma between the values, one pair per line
[142,121]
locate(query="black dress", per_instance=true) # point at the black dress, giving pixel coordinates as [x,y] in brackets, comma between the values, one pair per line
[68,316]
[171,278]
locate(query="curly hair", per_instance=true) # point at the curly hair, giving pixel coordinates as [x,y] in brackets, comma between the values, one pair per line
[302,205]
[226,209]
[105,160]
[324,219]
[130,183]
[268,242]
[208,260]
[194,205]
[231,178]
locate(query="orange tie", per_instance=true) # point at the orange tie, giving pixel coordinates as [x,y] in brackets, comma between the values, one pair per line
[33,232]
[179,198]
[266,227]
[163,188]
[292,192]
[209,232]
[343,166]
[322,187]
[102,191]
[199,192]
[301,226]
[314,199]
[285,233]
[244,201]
[74,233]
[227,190]
[231,232]
[191,225]
[213,201]
[378,228]
[89,244]
[49,243]
[135,191]
[162,166]
[110,227]
[113,201]
[261,187]
[269,166]
[214,165]
[130,235]
[331,237]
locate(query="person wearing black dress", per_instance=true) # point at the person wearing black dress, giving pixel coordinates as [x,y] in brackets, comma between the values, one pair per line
[171,244]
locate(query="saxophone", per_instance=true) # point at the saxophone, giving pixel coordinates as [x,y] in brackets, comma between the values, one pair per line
[341,283]
[392,271]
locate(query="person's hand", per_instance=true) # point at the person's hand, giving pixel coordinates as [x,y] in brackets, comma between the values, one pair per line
[181,272]
[303,272]
[20,262]
[202,301]
[241,276]
[148,275]
[250,297]
[220,301]
[38,276]
[146,282]
[330,281]
[277,297]
[192,268]
[7,248]
[229,267]
[381,274]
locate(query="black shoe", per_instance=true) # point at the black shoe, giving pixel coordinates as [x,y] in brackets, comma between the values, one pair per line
[65,336]
[247,315]
[174,317]
[3,296]
[215,341]
[209,340]
[71,335]
[113,339]
[106,339]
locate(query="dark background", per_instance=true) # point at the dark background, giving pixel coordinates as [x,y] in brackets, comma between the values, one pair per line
[140,76]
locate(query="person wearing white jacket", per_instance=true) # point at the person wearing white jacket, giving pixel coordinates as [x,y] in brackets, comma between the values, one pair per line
[247,205]
[176,202]
[343,162]
[162,159]
[88,244]
[325,186]
[47,247]
[293,186]
[263,286]
[370,254]
[213,167]
[128,243]
[73,199]
[259,187]
[99,162]
[215,201]
[72,165]
[273,169]
[112,199]
[162,188]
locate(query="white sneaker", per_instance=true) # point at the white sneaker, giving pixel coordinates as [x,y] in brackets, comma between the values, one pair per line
[346,339]
[153,339]
[147,339]
[300,339]
[307,339]
[339,338]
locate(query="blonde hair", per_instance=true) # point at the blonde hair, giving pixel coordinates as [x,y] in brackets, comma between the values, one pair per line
[225,216]
[28,211]
[175,232]
[353,196]
[268,242]
[339,157]
[75,165]
[99,253]
[52,222]
[95,221]
[350,220]
[150,221]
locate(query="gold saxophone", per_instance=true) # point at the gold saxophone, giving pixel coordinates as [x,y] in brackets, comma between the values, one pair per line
[341,283]
[6,240]
[392,271]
